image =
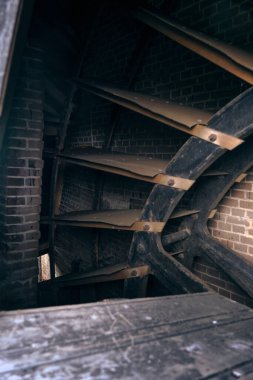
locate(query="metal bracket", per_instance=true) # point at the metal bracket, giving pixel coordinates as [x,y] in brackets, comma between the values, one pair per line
[240,177]
[177,182]
[148,226]
[223,140]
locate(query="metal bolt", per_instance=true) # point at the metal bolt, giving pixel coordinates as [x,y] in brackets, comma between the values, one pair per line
[236,374]
[171,182]
[212,137]
[141,248]
[146,227]
[134,273]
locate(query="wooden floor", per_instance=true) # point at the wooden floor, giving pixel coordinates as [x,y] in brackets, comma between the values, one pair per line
[199,336]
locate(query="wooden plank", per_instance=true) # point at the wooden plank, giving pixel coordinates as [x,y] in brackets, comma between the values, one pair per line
[231,58]
[143,168]
[172,112]
[116,219]
[107,274]
[237,266]
[112,219]
[168,336]
[144,105]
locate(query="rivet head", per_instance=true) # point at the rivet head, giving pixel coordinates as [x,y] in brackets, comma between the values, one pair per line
[212,137]
[171,182]
[236,374]
[134,273]
[146,227]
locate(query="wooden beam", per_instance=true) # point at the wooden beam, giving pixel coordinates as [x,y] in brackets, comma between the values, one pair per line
[138,167]
[113,273]
[235,60]
[186,119]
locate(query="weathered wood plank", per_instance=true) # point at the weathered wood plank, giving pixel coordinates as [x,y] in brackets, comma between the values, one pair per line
[199,335]
[138,167]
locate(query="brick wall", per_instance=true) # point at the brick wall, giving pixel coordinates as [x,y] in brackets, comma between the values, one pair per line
[21,167]
[219,281]
[233,223]
[167,70]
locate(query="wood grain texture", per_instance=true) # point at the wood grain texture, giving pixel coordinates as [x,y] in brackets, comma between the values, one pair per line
[187,337]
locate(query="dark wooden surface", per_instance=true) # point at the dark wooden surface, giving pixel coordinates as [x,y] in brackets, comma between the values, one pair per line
[197,336]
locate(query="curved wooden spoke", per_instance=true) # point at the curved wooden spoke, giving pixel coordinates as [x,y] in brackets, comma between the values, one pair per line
[238,268]
[235,163]
[199,242]
[231,58]
[163,200]
[173,275]
[236,117]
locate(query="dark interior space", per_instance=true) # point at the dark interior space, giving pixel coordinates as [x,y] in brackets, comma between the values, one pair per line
[77,96]
[126,189]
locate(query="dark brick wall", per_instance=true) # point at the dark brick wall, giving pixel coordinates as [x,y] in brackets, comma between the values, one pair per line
[21,168]
[167,70]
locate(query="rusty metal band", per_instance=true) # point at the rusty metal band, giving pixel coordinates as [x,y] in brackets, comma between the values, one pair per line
[221,139]
[148,226]
[212,213]
[240,177]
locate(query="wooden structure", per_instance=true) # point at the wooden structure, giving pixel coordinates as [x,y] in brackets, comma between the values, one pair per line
[231,58]
[211,137]
[184,336]
[16,15]
[166,337]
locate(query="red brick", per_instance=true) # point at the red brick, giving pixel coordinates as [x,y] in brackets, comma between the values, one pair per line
[246,204]
[238,212]
[224,226]
[243,186]
[238,229]
[226,235]
[226,201]
[224,210]
[240,247]
[238,221]
[246,240]
[238,194]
